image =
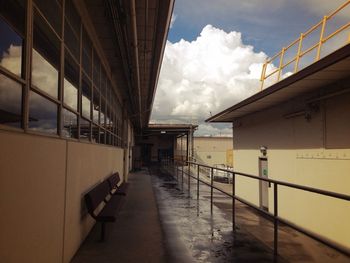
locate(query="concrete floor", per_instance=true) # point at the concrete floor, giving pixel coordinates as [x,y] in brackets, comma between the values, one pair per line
[136,236]
[162,222]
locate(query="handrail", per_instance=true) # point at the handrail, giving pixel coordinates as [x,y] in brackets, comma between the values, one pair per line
[300,53]
[276,183]
[296,186]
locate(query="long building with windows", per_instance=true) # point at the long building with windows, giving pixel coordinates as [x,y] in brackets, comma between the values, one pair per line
[77,82]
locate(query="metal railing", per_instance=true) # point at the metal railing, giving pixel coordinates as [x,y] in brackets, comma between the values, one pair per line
[274,216]
[298,43]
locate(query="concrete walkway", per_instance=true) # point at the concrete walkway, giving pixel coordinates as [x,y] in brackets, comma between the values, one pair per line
[136,236]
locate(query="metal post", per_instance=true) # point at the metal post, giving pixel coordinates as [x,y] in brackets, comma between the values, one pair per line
[211,190]
[189,177]
[324,21]
[281,64]
[275,220]
[233,202]
[299,51]
[197,182]
[182,175]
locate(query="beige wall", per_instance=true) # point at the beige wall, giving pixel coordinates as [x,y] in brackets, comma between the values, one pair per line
[43,181]
[212,150]
[314,153]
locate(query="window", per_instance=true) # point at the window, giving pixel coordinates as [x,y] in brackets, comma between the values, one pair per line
[10,102]
[42,114]
[11,45]
[52,11]
[86,98]
[96,105]
[84,130]
[69,124]
[45,59]
[71,82]
[87,53]
[72,30]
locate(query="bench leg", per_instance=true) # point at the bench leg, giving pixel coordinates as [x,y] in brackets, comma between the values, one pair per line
[102,231]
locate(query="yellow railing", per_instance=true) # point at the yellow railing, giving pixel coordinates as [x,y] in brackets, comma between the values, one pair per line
[299,48]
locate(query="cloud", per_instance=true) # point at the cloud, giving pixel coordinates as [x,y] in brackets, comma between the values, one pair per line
[205,76]
[172,21]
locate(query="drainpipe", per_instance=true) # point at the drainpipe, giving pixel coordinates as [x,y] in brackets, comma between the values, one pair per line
[136,54]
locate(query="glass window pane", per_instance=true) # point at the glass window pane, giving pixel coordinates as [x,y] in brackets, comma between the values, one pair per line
[14,13]
[95,134]
[86,98]
[102,113]
[52,10]
[84,130]
[87,53]
[10,48]
[10,102]
[69,124]
[42,114]
[97,65]
[71,82]
[96,106]
[46,57]
[72,16]
[102,136]
[71,39]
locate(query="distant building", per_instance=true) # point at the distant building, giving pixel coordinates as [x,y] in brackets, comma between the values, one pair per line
[213,150]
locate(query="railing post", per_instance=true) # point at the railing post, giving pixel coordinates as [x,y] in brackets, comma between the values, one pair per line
[189,177]
[197,182]
[281,64]
[275,220]
[299,51]
[182,174]
[263,73]
[211,189]
[321,38]
[233,202]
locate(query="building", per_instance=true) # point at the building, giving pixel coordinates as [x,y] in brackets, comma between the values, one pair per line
[77,82]
[297,131]
[213,150]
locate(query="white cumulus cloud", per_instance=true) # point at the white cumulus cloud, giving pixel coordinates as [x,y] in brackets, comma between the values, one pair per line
[205,76]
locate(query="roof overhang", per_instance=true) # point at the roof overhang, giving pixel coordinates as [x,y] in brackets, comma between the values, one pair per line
[320,74]
[169,129]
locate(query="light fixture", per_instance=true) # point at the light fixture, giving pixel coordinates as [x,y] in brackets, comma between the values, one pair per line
[162,132]
[263,150]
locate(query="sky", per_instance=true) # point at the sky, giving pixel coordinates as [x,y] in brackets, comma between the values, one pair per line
[215,52]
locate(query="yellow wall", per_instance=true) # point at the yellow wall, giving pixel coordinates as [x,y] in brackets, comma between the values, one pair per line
[43,181]
[215,147]
[314,153]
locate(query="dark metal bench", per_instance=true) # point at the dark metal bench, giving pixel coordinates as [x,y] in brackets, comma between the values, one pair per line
[116,189]
[99,195]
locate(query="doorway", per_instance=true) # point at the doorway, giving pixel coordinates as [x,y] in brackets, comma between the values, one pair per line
[263,186]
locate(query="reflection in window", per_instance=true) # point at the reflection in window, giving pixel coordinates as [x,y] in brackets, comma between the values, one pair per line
[96,106]
[86,98]
[10,48]
[42,114]
[71,82]
[87,51]
[52,11]
[10,102]
[95,134]
[69,124]
[102,136]
[72,29]
[84,130]
[102,114]
[45,57]
[96,70]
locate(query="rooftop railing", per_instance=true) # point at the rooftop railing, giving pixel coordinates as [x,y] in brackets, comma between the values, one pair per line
[306,44]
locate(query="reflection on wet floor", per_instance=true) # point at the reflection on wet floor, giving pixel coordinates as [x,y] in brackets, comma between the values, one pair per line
[196,235]
[205,237]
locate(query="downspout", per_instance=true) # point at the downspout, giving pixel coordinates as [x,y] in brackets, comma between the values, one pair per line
[136,53]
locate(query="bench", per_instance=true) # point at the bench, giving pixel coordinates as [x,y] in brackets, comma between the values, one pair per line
[100,194]
[116,189]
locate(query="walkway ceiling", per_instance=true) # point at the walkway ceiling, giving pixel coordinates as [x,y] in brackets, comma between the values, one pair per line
[133,35]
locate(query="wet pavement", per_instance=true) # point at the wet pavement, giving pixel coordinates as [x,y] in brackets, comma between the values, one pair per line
[201,236]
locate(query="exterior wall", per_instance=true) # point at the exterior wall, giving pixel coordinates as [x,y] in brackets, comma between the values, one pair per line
[314,153]
[215,147]
[43,181]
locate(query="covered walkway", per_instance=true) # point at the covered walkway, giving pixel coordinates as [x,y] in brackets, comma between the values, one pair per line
[161,222]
